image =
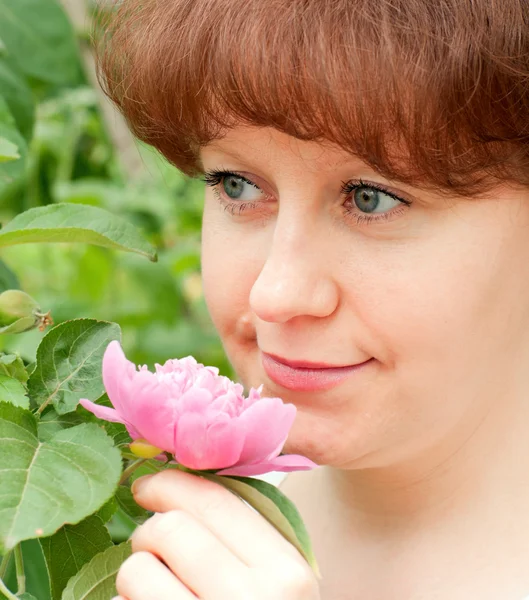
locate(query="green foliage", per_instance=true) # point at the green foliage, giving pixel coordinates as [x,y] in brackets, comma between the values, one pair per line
[16,92]
[95,581]
[12,391]
[13,366]
[128,505]
[69,364]
[78,468]
[71,548]
[13,146]
[75,223]
[37,580]
[62,180]
[8,151]
[40,40]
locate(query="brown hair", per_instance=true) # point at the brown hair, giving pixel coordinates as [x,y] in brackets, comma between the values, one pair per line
[434,92]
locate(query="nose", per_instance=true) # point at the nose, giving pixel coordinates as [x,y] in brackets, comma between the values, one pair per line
[296,278]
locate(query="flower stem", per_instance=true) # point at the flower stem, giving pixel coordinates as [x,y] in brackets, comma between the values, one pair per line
[9,595]
[130,469]
[21,576]
[4,564]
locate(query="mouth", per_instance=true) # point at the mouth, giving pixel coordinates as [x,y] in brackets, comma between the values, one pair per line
[304,376]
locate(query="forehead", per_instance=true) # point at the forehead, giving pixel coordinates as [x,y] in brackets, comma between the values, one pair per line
[265,145]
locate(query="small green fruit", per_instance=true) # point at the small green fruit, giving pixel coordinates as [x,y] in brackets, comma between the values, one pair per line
[19,312]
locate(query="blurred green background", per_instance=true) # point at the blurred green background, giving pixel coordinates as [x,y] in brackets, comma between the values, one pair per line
[75,149]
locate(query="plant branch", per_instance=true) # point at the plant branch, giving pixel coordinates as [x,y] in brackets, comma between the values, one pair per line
[130,469]
[9,595]
[21,576]
[4,564]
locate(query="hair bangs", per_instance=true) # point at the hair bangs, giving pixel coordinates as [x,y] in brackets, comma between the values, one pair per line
[429,93]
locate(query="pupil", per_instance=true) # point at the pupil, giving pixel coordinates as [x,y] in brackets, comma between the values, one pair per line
[366,199]
[233,187]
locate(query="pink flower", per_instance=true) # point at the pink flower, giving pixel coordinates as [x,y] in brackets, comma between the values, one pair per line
[198,416]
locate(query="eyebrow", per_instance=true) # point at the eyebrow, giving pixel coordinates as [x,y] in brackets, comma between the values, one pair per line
[215,146]
[234,154]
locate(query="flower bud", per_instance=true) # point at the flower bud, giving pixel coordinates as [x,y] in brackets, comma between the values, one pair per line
[143,449]
[19,312]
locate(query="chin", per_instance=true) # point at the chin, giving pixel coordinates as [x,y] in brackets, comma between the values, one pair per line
[310,437]
[330,441]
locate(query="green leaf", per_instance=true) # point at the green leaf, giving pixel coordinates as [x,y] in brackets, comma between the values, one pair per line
[13,366]
[13,169]
[275,507]
[26,596]
[8,151]
[69,360]
[71,548]
[40,40]
[37,580]
[51,423]
[130,506]
[11,390]
[20,325]
[96,580]
[19,98]
[107,511]
[121,527]
[75,223]
[48,484]
[116,431]
[8,278]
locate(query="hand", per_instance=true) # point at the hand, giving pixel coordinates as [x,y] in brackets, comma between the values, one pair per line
[206,543]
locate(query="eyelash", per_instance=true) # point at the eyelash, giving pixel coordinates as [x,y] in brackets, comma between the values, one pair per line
[215,177]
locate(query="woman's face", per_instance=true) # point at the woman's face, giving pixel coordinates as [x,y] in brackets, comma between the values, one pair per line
[434,294]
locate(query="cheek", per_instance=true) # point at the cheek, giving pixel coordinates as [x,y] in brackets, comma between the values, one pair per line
[442,310]
[230,264]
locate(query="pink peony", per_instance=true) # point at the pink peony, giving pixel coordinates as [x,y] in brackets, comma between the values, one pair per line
[198,416]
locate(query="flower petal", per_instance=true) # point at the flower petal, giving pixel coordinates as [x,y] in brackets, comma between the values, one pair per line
[208,445]
[266,423]
[190,447]
[225,441]
[152,410]
[116,371]
[285,463]
[102,412]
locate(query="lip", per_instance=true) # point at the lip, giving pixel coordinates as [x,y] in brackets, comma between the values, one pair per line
[304,376]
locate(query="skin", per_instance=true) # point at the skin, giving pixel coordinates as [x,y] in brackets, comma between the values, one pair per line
[423,492]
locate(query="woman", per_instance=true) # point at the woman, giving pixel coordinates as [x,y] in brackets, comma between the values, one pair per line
[365,256]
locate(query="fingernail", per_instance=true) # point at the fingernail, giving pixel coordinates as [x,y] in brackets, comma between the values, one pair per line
[139,484]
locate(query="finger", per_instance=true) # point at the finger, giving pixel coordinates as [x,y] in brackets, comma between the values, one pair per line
[203,563]
[143,577]
[244,531]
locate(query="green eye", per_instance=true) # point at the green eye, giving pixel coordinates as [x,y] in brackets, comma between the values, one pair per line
[233,186]
[370,200]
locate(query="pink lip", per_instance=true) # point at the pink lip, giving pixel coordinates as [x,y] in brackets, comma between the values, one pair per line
[303,376]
